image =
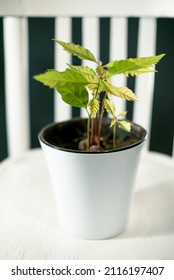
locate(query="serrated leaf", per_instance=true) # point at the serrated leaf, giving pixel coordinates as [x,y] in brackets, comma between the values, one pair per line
[94,106]
[102,71]
[145,62]
[139,72]
[131,65]
[122,92]
[113,122]
[92,87]
[93,83]
[109,106]
[90,76]
[127,94]
[122,114]
[49,78]
[124,125]
[72,78]
[53,78]
[77,50]
[74,96]
[85,70]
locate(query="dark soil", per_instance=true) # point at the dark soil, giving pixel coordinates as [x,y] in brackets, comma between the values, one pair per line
[71,135]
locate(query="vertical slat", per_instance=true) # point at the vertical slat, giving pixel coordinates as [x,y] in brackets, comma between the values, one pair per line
[144,87]
[90,40]
[62,111]
[3,136]
[118,50]
[16,84]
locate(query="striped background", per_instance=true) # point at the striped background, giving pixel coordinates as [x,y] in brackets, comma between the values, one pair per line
[41,56]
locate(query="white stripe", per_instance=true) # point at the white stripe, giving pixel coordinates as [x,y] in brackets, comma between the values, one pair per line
[62,111]
[90,32]
[16,84]
[118,50]
[144,87]
[90,40]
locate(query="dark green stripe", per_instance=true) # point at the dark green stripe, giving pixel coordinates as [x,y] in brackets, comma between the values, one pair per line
[132,52]
[41,55]
[163,108]
[104,43]
[76,39]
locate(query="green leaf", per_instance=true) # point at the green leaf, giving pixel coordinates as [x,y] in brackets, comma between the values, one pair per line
[53,78]
[122,114]
[74,96]
[122,92]
[139,72]
[124,125]
[109,106]
[145,62]
[113,122]
[49,78]
[85,70]
[89,74]
[94,106]
[102,71]
[93,83]
[127,94]
[71,78]
[132,66]
[77,50]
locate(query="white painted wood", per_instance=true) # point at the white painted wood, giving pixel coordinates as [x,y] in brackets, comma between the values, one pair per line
[62,111]
[90,40]
[16,84]
[29,229]
[90,36]
[144,87]
[117,8]
[148,8]
[118,50]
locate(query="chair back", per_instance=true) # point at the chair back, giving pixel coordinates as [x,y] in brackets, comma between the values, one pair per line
[105,28]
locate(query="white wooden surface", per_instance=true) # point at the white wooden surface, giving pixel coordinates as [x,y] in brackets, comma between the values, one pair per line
[16,83]
[77,7]
[15,13]
[29,230]
[144,86]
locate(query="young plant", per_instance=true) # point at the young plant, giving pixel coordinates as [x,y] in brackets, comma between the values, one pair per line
[76,82]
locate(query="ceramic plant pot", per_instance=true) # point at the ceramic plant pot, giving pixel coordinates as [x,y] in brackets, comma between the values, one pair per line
[93,190]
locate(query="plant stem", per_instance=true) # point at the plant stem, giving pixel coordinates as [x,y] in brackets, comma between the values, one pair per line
[114,135]
[101,119]
[88,132]
[94,121]
[92,131]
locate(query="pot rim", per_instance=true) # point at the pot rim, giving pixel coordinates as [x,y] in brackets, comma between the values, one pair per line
[42,140]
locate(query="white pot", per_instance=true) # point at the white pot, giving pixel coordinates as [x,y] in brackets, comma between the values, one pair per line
[93,191]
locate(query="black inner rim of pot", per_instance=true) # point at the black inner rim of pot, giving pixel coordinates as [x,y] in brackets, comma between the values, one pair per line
[56,135]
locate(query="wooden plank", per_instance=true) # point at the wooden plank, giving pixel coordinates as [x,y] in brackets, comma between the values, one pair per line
[90,40]
[118,50]
[144,87]
[16,84]
[148,8]
[62,111]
